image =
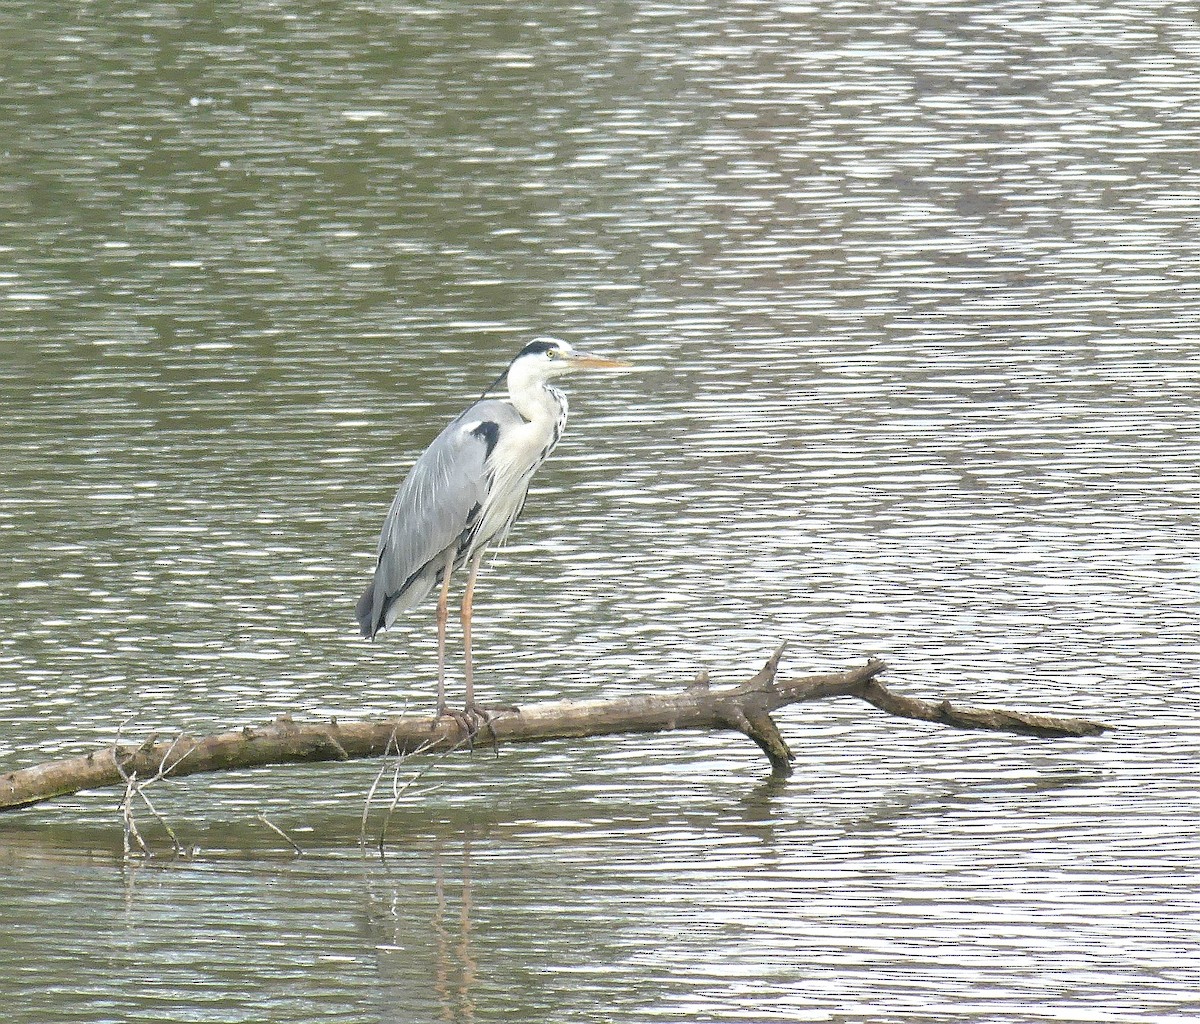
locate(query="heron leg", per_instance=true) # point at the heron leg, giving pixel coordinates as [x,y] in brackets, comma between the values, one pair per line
[478,716]
[467,604]
[442,615]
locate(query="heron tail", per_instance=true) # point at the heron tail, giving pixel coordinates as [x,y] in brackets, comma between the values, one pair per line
[366,613]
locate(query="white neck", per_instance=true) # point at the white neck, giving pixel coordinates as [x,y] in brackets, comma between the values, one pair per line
[535,399]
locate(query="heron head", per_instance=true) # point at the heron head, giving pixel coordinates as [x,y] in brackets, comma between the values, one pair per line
[544,358]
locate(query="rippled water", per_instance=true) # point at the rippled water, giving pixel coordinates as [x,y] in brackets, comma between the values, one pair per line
[914,293]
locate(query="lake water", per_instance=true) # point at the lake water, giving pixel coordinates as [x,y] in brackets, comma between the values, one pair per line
[914,296]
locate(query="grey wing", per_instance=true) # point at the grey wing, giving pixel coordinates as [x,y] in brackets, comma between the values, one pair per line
[434,512]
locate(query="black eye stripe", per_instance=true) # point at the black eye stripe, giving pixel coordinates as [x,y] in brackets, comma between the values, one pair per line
[542,345]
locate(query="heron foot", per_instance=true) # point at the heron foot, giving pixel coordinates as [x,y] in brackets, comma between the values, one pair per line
[483,717]
[467,724]
[474,718]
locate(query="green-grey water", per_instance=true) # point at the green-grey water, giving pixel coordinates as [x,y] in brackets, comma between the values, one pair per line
[914,298]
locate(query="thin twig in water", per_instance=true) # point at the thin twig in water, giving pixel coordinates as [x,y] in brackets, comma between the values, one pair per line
[128,821]
[399,792]
[180,850]
[281,833]
[135,788]
[362,830]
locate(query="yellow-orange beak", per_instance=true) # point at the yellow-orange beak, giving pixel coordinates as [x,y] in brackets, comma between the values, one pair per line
[586,361]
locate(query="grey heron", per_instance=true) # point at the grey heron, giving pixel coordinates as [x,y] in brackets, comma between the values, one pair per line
[464,493]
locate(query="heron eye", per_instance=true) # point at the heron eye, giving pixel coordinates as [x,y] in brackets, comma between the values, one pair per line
[551,353]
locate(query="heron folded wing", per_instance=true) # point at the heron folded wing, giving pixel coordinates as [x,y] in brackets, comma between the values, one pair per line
[434,512]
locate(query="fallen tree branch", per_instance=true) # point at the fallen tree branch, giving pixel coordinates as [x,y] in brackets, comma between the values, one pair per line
[746,708]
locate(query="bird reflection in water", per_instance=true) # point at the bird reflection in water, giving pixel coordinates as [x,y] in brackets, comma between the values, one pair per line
[455,970]
[424,942]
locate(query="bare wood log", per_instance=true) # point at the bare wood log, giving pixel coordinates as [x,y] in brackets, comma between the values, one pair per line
[745,708]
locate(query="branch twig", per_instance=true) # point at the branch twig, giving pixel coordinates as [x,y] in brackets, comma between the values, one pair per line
[281,833]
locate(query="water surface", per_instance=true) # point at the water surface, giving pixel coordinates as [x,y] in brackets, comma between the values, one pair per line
[913,292]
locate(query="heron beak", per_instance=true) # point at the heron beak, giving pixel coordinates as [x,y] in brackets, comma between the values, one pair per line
[584,360]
